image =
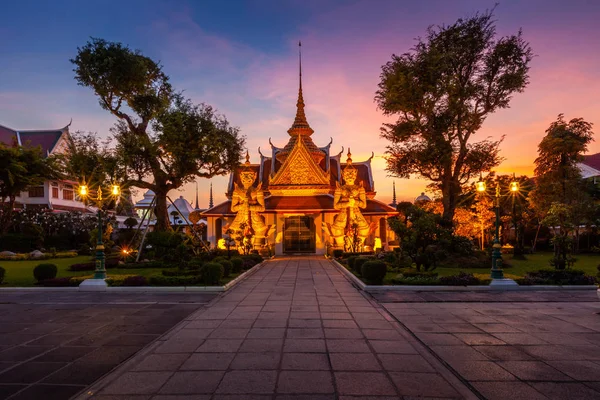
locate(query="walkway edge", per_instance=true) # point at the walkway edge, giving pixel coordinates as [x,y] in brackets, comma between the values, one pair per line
[146,289]
[441,288]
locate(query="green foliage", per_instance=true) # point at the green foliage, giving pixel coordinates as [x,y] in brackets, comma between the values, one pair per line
[338,253]
[411,273]
[130,222]
[163,140]
[237,264]
[45,271]
[560,198]
[227,267]
[163,243]
[442,91]
[212,273]
[20,168]
[358,263]
[556,277]
[373,272]
[350,261]
[462,279]
[160,280]
[2,273]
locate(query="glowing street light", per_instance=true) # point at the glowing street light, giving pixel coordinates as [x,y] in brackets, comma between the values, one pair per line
[84,193]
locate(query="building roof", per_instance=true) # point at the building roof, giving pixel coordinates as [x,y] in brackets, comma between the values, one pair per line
[46,139]
[590,166]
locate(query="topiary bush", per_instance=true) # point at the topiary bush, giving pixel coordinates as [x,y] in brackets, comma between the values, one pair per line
[413,273]
[137,280]
[358,263]
[2,274]
[350,261]
[227,267]
[338,253]
[159,280]
[556,277]
[462,279]
[236,265]
[373,271]
[212,273]
[45,271]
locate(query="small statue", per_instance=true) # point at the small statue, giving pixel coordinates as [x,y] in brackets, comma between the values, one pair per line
[248,202]
[350,228]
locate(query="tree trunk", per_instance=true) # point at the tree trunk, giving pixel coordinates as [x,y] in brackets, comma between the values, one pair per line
[449,200]
[536,237]
[161,212]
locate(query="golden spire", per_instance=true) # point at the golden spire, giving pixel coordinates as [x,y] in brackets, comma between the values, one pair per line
[349,159]
[300,125]
[247,163]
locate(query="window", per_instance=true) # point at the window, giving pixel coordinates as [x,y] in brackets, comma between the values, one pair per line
[36,191]
[54,192]
[68,192]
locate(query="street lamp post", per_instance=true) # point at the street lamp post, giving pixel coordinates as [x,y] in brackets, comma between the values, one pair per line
[496,273]
[98,282]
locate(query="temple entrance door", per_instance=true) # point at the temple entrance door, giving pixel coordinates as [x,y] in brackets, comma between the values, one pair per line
[299,235]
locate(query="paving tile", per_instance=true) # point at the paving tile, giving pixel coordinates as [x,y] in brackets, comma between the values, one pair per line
[503,353]
[364,383]
[405,363]
[220,346]
[480,370]
[354,362]
[161,362]
[192,382]
[30,372]
[305,361]
[439,339]
[256,361]
[578,370]
[65,354]
[208,361]
[497,328]
[22,353]
[476,339]
[261,345]
[305,333]
[8,390]
[48,392]
[503,391]
[304,346]
[565,390]
[137,383]
[462,352]
[519,338]
[305,323]
[382,334]
[266,333]
[229,333]
[392,347]
[248,382]
[79,373]
[298,382]
[422,384]
[533,371]
[340,333]
[347,346]
[339,323]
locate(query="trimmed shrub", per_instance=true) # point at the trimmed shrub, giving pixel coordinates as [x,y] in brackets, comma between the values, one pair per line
[212,273]
[2,274]
[413,273]
[147,264]
[60,282]
[350,261]
[358,263]
[165,245]
[159,280]
[557,277]
[415,280]
[227,267]
[462,279]
[338,253]
[236,265]
[364,253]
[373,271]
[45,271]
[137,280]
[90,266]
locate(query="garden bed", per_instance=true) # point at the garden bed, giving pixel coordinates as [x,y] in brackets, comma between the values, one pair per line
[20,274]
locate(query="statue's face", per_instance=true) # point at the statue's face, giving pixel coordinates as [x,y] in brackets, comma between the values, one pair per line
[247,179]
[350,176]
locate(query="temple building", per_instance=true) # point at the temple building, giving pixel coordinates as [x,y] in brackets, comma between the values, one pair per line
[302,199]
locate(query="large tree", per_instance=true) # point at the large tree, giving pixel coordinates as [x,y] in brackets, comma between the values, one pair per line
[20,168]
[442,91]
[162,139]
[560,197]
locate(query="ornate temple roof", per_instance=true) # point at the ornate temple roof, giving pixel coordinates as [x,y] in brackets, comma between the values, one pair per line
[46,139]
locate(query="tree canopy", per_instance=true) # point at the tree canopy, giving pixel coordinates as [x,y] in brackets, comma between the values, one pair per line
[442,91]
[162,139]
[20,168]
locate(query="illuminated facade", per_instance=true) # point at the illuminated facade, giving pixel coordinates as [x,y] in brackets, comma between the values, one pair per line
[302,199]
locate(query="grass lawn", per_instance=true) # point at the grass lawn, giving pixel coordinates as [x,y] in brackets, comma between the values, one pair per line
[517,268]
[585,262]
[20,273]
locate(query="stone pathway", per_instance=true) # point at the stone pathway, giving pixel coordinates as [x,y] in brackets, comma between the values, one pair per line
[532,350]
[296,329]
[54,344]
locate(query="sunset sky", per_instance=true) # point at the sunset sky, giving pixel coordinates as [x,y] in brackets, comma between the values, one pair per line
[241,57]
